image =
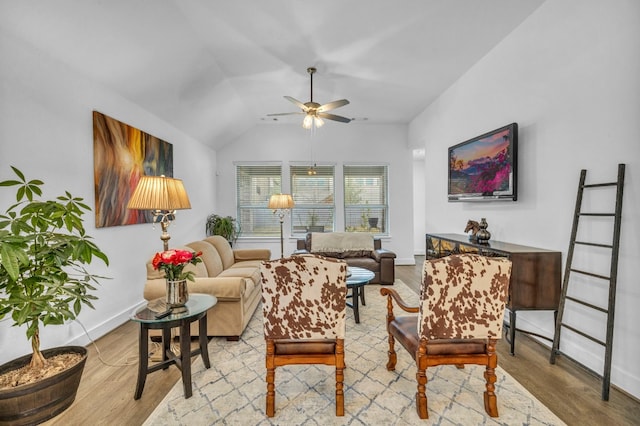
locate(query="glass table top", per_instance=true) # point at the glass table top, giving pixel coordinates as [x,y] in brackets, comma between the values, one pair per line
[196,304]
[357,275]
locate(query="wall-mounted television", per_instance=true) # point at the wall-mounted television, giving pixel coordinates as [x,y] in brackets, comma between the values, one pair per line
[485,168]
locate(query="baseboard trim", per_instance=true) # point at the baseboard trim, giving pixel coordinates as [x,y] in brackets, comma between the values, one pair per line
[85,337]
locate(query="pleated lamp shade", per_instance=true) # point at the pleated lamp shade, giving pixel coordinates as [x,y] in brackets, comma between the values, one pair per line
[159,193]
[281,201]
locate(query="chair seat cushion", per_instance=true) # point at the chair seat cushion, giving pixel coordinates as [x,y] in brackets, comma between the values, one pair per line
[405,331]
[299,347]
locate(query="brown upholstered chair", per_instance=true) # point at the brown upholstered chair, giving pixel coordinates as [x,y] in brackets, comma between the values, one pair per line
[304,304]
[462,302]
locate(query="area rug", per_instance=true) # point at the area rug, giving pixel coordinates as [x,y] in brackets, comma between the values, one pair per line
[232,391]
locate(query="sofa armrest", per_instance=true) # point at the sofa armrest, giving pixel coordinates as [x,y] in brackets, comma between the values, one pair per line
[251,254]
[382,253]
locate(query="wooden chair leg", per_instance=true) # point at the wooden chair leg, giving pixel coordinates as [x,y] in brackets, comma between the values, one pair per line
[340,378]
[271,376]
[421,396]
[393,358]
[490,399]
[391,363]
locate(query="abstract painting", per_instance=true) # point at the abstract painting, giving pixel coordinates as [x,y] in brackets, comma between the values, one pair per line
[121,155]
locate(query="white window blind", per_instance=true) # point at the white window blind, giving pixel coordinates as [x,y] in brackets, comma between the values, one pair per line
[313,194]
[255,184]
[366,206]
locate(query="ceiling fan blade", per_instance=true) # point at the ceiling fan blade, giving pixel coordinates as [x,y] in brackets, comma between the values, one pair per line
[333,105]
[297,103]
[334,117]
[285,113]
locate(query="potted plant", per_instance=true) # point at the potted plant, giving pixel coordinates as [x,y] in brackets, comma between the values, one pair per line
[223,225]
[43,281]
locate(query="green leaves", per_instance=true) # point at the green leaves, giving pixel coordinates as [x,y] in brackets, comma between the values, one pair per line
[43,250]
[27,189]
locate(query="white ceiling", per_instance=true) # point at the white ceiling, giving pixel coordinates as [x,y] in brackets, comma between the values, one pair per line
[216,68]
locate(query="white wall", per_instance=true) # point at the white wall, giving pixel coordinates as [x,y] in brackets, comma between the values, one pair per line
[569,76]
[46,131]
[419,203]
[334,143]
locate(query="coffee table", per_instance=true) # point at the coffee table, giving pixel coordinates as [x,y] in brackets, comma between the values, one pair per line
[197,307]
[357,278]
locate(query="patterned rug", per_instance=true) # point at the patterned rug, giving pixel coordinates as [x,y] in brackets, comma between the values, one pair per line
[232,391]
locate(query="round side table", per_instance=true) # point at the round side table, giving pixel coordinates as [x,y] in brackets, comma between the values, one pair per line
[357,278]
[197,307]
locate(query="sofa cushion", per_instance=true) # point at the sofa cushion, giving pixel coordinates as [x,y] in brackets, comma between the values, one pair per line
[345,254]
[224,288]
[247,264]
[340,242]
[211,261]
[224,249]
[248,272]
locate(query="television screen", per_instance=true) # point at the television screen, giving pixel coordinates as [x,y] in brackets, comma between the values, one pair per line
[484,168]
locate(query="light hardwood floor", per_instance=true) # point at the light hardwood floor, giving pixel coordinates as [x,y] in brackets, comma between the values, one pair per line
[105,396]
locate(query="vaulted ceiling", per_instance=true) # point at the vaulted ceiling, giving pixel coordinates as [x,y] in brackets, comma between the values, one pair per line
[213,69]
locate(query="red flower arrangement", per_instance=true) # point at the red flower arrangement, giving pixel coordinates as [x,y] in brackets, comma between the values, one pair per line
[172,262]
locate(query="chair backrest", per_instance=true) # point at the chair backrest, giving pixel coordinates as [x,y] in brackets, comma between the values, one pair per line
[304,297]
[463,297]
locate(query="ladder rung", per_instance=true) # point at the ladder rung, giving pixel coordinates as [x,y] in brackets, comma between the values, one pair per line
[595,185]
[584,243]
[583,334]
[591,274]
[597,214]
[582,302]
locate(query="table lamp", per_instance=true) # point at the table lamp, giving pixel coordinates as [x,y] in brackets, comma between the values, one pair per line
[163,195]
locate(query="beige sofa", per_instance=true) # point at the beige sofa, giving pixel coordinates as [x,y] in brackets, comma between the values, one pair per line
[232,276]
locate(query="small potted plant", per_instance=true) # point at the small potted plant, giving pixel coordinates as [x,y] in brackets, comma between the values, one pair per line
[43,281]
[225,226]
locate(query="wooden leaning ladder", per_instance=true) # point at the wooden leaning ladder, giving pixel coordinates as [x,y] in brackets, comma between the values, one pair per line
[611,279]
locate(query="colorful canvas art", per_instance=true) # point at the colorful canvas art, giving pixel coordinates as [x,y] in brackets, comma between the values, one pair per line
[122,154]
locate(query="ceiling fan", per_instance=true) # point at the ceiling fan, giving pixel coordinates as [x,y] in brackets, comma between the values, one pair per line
[314,112]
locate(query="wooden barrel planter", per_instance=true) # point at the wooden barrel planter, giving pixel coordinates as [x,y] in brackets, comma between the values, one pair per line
[37,402]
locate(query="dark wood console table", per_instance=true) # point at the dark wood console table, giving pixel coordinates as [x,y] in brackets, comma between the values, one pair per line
[535,274]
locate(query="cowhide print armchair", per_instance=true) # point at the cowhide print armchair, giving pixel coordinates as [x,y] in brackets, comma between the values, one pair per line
[462,303]
[304,304]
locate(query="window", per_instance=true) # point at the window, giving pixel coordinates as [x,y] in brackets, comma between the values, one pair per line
[366,206]
[255,185]
[313,193]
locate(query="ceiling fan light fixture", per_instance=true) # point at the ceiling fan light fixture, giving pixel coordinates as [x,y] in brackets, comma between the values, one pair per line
[314,112]
[307,123]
